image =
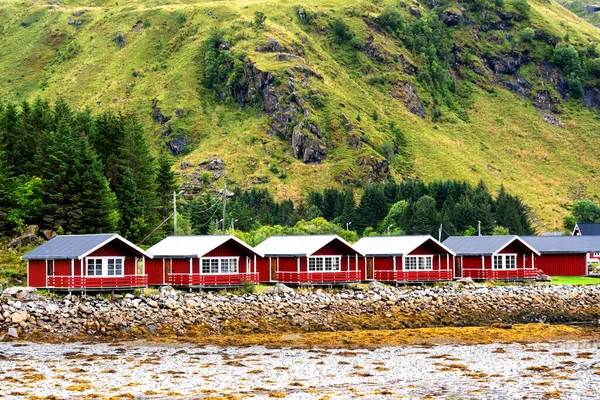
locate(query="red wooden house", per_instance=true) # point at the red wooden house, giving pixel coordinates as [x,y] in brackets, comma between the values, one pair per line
[87,262]
[564,255]
[593,231]
[405,259]
[202,261]
[308,259]
[493,257]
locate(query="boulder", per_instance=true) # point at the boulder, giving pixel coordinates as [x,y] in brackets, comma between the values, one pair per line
[468,281]
[281,288]
[452,17]
[17,290]
[12,332]
[375,285]
[415,12]
[177,144]
[120,39]
[31,230]
[49,234]
[24,240]
[592,8]
[19,316]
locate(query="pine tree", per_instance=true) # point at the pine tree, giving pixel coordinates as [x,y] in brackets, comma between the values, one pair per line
[5,190]
[135,184]
[425,217]
[10,128]
[77,197]
[165,185]
[348,208]
[372,208]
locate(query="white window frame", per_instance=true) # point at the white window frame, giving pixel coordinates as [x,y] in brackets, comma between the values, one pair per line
[597,254]
[218,262]
[503,261]
[319,263]
[414,263]
[104,266]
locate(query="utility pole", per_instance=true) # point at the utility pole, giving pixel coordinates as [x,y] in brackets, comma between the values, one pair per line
[348,225]
[174,214]
[233,221]
[440,234]
[224,206]
[388,229]
[479,227]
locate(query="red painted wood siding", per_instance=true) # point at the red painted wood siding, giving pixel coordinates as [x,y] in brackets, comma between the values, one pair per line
[263,267]
[334,248]
[155,271]
[562,264]
[62,267]
[36,273]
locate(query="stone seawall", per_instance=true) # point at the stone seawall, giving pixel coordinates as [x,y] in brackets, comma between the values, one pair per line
[285,310]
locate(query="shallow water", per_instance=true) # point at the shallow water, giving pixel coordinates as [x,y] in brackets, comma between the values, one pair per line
[145,370]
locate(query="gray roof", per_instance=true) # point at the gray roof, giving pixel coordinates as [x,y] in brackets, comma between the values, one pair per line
[481,245]
[588,229]
[564,244]
[76,246]
[298,246]
[394,245]
[193,246]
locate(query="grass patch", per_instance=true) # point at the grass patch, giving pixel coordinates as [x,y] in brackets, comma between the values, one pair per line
[573,280]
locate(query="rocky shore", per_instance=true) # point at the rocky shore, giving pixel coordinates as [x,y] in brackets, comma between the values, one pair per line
[283,310]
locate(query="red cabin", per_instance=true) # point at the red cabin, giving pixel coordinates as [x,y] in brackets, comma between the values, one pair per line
[202,261]
[405,259]
[593,232]
[309,259]
[493,257]
[564,255]
[87,262]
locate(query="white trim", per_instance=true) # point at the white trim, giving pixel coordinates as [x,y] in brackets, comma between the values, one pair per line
[339,264]
[104,266]
[335,237]
[504,257]
[417,261]
[520,240]
[29,273]
[107,241]
[298,264]
[220,259]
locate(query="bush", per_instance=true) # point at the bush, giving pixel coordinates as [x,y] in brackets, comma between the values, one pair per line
[593,67]
[391,19]
[259,20]
[341,30]
[575,85]
[357,43]
[273,168]
[567,59]
[522,7]
[527,35]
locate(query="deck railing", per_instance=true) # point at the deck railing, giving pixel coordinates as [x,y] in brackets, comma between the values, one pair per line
[211,280]
[413,276]
[97,282]
[319,277]
[507,274]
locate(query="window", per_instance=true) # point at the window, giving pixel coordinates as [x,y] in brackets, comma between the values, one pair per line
[219,265]
[318,264]
[505,261]
[597,254]
[105,266]
[420,263]
[50,267]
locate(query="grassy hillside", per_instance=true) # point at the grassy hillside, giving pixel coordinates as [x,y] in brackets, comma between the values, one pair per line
[149,57]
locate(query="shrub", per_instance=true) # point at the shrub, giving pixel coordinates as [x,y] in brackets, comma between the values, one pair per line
[567,59]
[357,43]
[522,7]
[527,35]
[259,20]
[593,67]
[391,19]
[575,85]
[341,30]
[375,115]
[273,168]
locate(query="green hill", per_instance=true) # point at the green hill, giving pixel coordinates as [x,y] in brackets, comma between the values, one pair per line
[330,92]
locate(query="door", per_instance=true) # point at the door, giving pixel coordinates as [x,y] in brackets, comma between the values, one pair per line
[370,268]
[274,268]
[167,270]
[458,267]
[49,267]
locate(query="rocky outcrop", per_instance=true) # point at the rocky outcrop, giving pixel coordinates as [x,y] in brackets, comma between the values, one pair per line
[452,17]
[374,170]
[551,76]
[408,94]
[285,310]
[505,63]
[375,52]
[307,143]
[592,8]
[519,85]
[591,98]
[415,12]
[177,145]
